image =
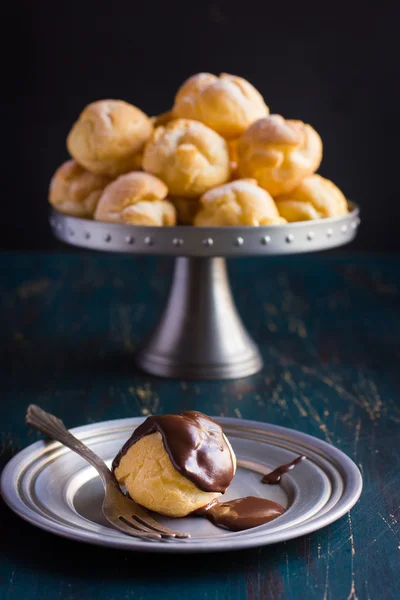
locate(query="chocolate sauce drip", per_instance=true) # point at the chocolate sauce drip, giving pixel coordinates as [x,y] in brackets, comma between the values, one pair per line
[243,513]
[196,446]
[276,475]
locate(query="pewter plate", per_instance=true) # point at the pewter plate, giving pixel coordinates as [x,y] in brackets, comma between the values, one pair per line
[55,489]
[181,240]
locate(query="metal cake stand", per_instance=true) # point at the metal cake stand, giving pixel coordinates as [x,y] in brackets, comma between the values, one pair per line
[200,334]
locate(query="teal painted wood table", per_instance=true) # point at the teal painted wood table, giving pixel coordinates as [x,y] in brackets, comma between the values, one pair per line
[329,329]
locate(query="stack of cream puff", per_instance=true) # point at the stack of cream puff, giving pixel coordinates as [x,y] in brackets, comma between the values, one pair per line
[217,158]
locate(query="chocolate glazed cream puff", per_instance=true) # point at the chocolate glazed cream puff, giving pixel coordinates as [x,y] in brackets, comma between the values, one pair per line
[279,153]
[176,464]
[138,199]
[228,104]
[109,137]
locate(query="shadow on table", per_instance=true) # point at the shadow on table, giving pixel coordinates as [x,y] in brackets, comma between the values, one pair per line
[61,360]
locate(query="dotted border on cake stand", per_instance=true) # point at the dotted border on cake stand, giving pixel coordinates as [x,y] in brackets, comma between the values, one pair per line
[305,236]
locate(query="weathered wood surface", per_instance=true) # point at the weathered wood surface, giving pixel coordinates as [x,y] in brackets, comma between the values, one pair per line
[329,328]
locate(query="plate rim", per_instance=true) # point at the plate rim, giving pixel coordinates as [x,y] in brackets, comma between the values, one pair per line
[349,470]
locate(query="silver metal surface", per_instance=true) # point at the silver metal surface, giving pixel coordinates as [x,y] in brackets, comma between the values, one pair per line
[53,488]
[200,334]
[207,241]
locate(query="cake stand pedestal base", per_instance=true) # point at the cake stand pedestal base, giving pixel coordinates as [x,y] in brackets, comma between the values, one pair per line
[200,334]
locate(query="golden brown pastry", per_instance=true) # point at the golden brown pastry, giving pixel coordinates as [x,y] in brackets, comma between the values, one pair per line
[109,136]
[138,199]
[315,198]
[188,156]
[233,155]
[233,151]
[137,161]
[162,119]
[239,202]
[186,209]
[227,104]
[176,483]
[152,480]
[279,153]
[75,191]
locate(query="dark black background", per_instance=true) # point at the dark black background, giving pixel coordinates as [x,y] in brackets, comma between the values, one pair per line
[336,67]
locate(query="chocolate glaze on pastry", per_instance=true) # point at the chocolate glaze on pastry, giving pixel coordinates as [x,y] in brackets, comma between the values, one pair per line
[196,446]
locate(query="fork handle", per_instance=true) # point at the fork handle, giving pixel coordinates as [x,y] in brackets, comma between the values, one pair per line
[55,428]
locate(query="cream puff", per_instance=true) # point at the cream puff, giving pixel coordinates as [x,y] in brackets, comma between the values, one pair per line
[233,155]
[240,202]
[176,464]
[162,118]
[279,153]
[75,191]
[228,104]
[109,136]
[188,156]
[315,198]
[138,199]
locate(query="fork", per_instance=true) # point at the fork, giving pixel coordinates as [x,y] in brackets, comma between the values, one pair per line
[119,510]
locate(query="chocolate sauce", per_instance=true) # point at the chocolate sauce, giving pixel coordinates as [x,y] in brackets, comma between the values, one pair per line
[196,446]
[276,475]
[243,513]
